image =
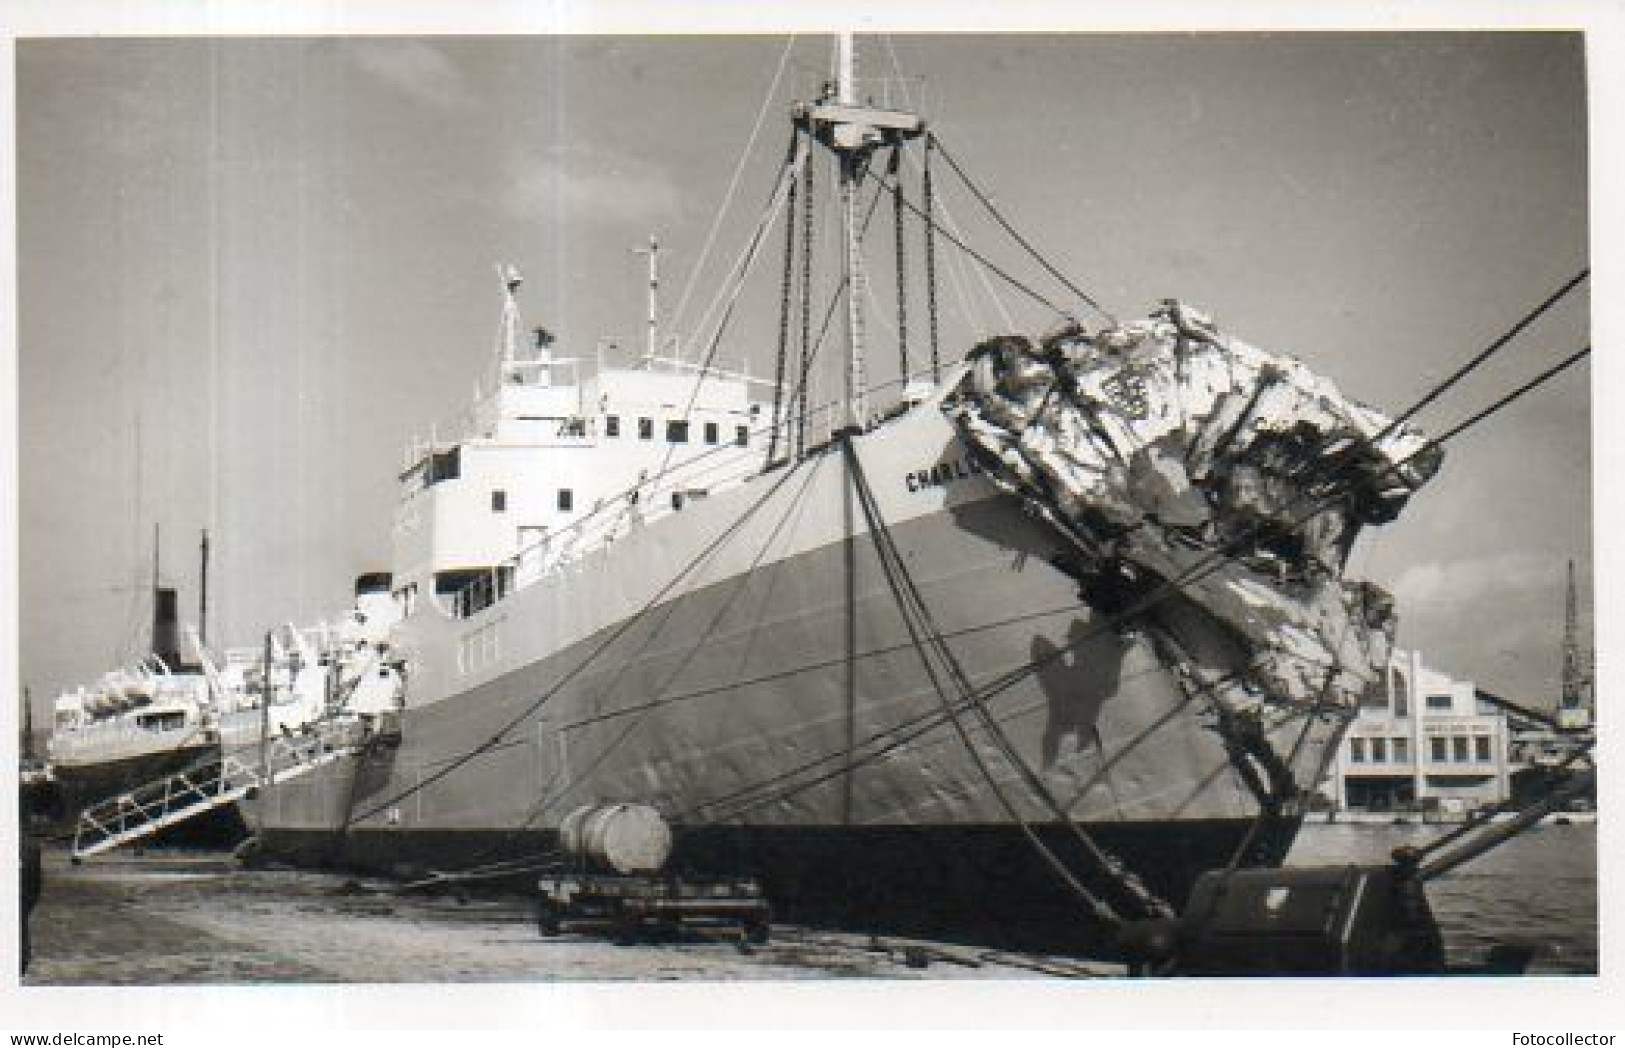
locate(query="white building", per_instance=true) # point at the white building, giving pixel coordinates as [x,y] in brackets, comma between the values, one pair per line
[1423,741]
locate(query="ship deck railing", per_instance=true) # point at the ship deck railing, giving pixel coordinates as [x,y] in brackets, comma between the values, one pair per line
[206,786]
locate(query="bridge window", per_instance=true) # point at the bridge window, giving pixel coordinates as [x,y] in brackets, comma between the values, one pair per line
[612,425]
[499,501]
[677,431]
[711,433]
[1439,702]
[741,435]
[567,500]
[646,429]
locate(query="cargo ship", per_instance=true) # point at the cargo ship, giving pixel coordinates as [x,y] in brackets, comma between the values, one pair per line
[1012,648]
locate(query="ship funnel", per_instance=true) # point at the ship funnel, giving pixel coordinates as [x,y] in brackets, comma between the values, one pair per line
[165,626]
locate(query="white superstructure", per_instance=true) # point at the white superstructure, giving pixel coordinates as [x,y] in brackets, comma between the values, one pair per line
[543,471]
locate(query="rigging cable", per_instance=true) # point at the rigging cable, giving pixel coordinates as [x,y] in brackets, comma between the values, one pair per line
[1489,351]
[1207,566]
[1213,561]
[924,725]
[783,183]
[615,635]
[902,271]
[1102,910]
[733,186]
[929,193]
[1482,817]
[1168,587]
[901,736]
[912,604]
[1310,717]
[987,264]
[743,580]
[1322,501]
[810,356]
[1534,383]
[1008,228]
[784,309]
[808,233]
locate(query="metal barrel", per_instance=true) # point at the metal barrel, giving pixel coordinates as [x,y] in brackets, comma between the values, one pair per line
[617,837]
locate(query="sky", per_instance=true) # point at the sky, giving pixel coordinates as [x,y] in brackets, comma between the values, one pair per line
[249,270]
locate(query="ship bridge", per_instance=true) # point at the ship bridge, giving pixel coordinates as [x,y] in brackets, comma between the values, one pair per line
[540,469]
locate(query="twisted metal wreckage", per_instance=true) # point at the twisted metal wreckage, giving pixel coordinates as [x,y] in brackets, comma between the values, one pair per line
[1194,473]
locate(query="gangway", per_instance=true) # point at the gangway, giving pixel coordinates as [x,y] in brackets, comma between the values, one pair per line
[208,785]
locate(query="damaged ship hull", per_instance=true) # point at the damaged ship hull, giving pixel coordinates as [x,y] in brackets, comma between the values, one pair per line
[744,666]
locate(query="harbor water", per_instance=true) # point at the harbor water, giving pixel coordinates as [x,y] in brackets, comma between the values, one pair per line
[1539,889]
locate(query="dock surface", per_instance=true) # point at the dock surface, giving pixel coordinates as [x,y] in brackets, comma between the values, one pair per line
[167,918]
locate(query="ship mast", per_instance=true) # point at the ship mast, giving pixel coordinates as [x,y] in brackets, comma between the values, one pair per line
[653,345]
[852,161]
[853,131]
[537,369]
[508,329]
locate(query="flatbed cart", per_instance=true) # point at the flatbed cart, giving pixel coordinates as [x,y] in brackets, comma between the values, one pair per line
[635,906]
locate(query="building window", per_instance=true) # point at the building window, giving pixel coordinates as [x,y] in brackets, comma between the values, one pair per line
[1402,749]
[711,433]
[741,435]
[1379,751]
[1438,749]
[499,501]
[612,425]
[1481,748]
[677,431]
[1458,748]
[1439,702]
[1357,751]
[566,500]
[646,429]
